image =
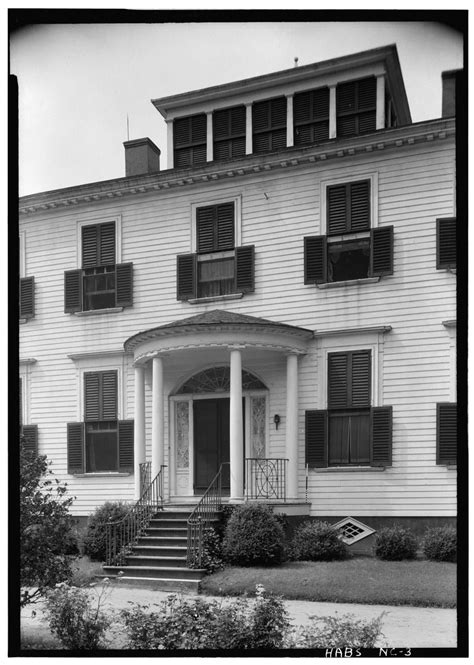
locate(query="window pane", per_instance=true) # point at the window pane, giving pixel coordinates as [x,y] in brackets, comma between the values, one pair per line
[360,438]
[338,439]
[216,278]
[349,439]
[348,260]
[101,448]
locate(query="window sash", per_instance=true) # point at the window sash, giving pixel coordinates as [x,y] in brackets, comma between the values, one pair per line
[349,438]
[101,446]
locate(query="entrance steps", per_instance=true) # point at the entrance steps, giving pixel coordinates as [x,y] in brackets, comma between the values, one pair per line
[158,560]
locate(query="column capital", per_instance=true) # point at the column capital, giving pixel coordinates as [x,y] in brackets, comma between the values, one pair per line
[289,94]
[236,347]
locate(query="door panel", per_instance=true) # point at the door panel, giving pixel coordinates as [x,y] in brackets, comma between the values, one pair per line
[211,441]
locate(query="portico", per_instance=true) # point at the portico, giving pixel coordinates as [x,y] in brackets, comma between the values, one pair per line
[227,354]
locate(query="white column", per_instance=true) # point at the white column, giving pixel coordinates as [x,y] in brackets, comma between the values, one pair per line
[332,112]
[248,129]
[210,138]
[380,113]
[157,417]
[292,425]
[170,146]
[236,427]
[139,426]
[289,121]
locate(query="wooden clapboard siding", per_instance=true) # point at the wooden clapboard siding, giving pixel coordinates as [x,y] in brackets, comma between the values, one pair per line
[415,188]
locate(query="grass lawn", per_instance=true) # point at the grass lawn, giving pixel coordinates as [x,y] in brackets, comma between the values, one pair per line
[359,580]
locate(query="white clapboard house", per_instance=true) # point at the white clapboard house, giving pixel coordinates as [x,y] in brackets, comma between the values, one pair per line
[278,304]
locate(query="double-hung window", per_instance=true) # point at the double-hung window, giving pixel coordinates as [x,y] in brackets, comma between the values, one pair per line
[190,140]
[102,442]
[218,267]
[350,432]
[101,283]
[351,249]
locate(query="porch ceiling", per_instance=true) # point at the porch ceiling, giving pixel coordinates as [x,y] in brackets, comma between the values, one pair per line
[219,329]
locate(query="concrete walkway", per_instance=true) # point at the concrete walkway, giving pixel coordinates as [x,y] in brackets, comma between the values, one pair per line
[403,627]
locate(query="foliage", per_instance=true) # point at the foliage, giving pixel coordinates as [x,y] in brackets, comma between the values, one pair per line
[253,537]
[46,527]
[440,544]
[340,632]
[74,620]
[198,624]
[395,543]
[95,537]
[211,555]
[317,541]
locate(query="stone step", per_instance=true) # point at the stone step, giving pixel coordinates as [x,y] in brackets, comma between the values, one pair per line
[163,541]
[160,550]
[165,584]
[155,572]
[157,560]
[179,532]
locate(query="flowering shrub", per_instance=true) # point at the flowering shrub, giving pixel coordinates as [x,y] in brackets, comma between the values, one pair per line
[395,543]
[199,624]
[317,541]
[339,631]
[74,620]
[440,544]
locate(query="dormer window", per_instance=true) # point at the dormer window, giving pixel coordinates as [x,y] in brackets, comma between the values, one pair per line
[311,116]
[356,107]
[190,140]
[269,125]
[229,133]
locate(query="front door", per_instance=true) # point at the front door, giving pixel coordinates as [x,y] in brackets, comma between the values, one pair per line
[211,442]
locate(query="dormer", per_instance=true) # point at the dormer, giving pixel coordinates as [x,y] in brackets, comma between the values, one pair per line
[335,99]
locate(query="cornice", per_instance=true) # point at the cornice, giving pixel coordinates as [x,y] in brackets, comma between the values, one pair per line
[399,138]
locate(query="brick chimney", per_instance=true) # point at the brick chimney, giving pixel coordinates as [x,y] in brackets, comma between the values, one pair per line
[141,156]
[448,108]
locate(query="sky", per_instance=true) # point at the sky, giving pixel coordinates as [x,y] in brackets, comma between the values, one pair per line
[78,82]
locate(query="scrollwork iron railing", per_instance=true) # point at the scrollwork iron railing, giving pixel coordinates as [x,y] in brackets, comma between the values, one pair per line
[145,475]
[200,518]
[121,535]
[265,478]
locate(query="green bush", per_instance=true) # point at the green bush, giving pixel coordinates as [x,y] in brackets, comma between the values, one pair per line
[340,632]
[395,543]
[95,536]
[211,557]
[74,620]
[440,544]
[253,537]
[198,624]
[317,541]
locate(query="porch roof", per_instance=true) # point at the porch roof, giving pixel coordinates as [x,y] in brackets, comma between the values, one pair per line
[217,321]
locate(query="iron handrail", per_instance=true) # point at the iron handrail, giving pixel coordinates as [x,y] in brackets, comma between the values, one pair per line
[199,519]
[120,535]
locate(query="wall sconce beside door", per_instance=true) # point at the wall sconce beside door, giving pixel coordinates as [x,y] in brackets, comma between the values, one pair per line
[276,420]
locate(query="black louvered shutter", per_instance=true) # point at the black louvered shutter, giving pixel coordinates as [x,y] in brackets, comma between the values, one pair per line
[92,390]
[124,284]
[90,245]
[366,94]
[186,276]
[261,116]
[381,251]
[316,438]
[27,297]
[337,209]
[206,229]
[360,367]
[359,205]
[446,243]
[181,131]
[315,260]
[199,128]
[30,438]
[225,227]
[381,436]
[338,380]
[72,291]
[75,448]
[108,401]
[125,441]
[346,97]
[106,250]
[446,429]
[245,269]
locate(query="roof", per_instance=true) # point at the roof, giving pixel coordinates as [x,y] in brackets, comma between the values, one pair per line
[216,320]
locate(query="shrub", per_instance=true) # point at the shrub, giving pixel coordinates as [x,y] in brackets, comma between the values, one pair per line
[46,534]
[199,624]
[95,537]
[340,632]
[440,544]
[395,543]
[317,541]
[253,537]
[211,557]
[74,620]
